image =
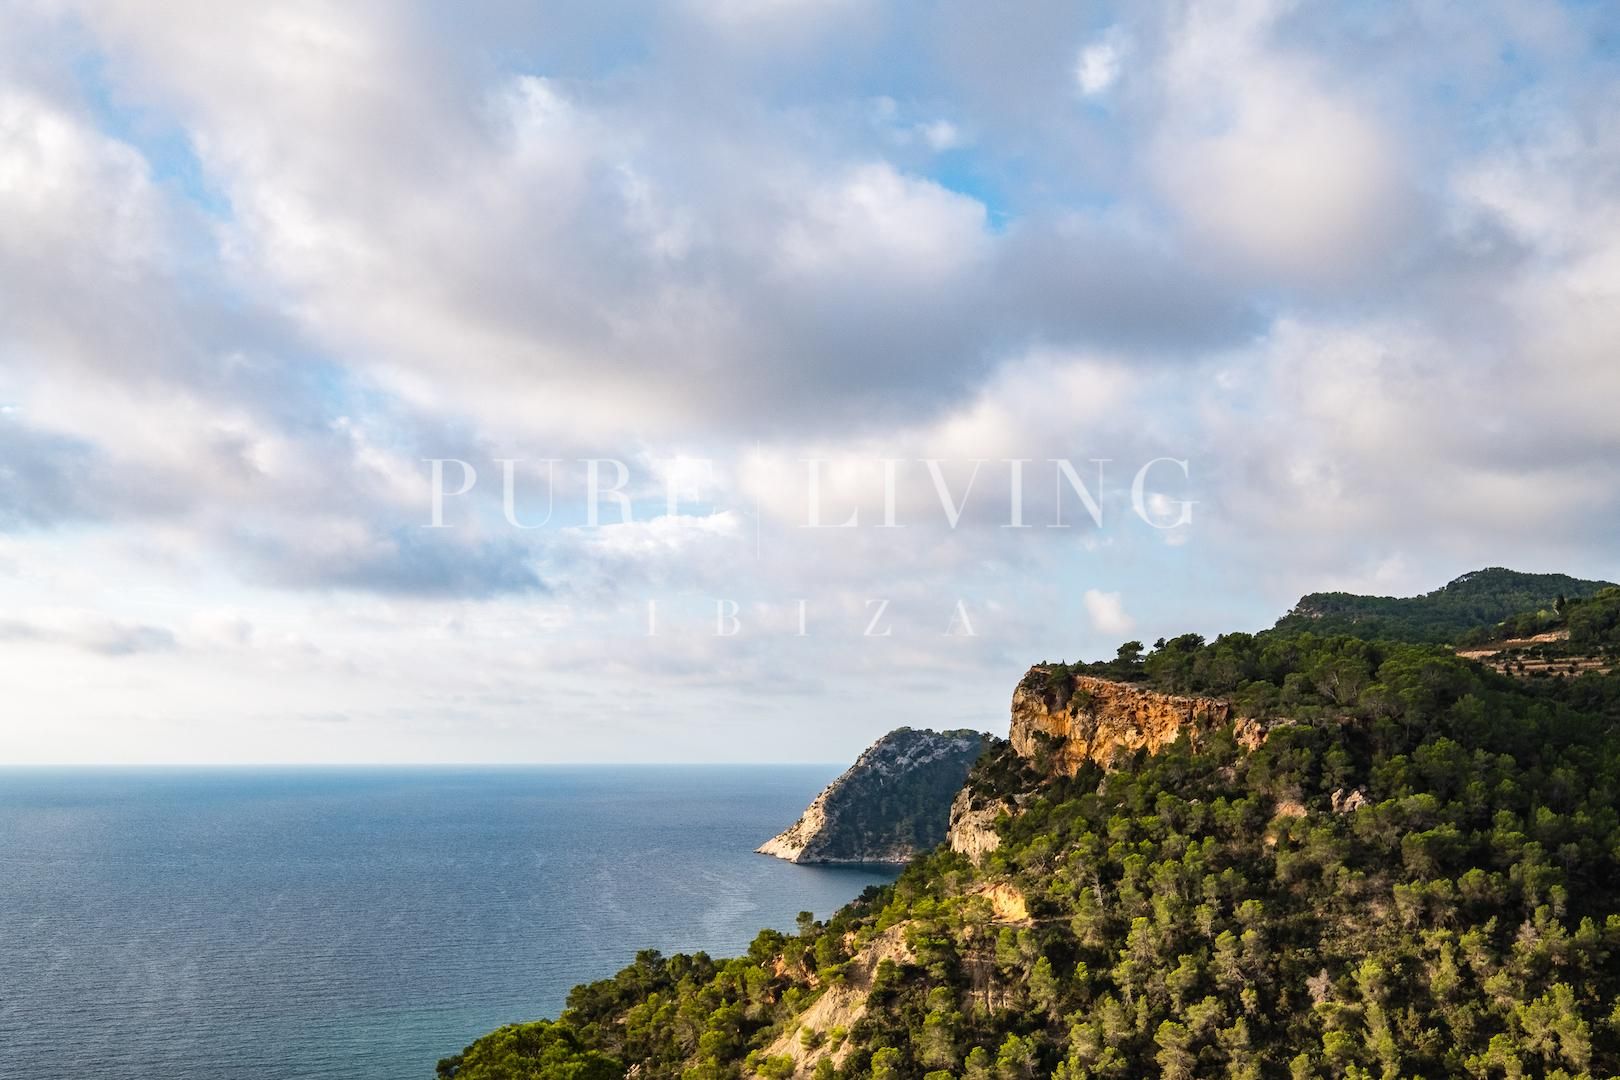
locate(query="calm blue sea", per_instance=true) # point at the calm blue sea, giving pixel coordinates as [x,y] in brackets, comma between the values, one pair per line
[270,924]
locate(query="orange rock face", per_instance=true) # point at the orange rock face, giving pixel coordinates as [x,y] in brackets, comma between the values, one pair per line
[1101,719]
[1007,903]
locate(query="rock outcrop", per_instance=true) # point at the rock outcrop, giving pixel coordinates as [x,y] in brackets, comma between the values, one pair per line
[972,830]
[1344,802]
[839,1006]
[1008,904]
[1061,721]
[894,802]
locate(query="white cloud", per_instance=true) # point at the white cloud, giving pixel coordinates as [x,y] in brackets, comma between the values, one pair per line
[875,219]
[62,184]
[1107,612]
[1099,64]
[942,135]
[1263,160]
[664,537]
[902,127]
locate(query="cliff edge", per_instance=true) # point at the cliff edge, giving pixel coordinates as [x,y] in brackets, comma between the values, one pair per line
[1061,720]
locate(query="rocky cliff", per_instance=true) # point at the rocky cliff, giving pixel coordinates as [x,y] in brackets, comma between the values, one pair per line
[973,820]
[894,802]
[1061,720]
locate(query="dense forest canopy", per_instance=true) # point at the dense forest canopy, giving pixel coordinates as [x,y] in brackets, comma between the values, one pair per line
[1482,598]
[1412,876]
[1585,622]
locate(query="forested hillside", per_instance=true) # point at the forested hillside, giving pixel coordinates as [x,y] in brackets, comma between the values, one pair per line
[892,804]
[1591,622]
[1412,875]
[1479,599]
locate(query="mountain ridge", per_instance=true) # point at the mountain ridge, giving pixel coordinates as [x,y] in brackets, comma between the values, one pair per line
[1477,598]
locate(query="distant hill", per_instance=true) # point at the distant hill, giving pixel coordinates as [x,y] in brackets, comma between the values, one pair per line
[1482,598]
[893,803]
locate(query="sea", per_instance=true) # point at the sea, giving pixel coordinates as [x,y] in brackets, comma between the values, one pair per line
[360,924]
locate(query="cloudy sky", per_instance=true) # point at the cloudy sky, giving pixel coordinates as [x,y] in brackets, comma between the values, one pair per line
[1344,278]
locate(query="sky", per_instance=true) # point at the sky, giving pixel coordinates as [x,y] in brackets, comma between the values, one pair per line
[811,367]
